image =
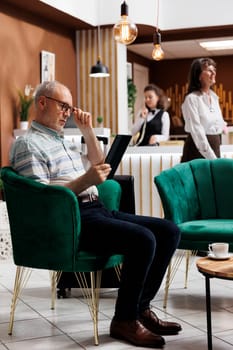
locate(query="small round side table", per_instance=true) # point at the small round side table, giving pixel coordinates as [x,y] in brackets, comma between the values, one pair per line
[210,268]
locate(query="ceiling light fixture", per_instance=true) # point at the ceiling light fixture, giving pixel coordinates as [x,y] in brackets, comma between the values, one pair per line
[99,70]
[125,32]
[157,53]
[217,45]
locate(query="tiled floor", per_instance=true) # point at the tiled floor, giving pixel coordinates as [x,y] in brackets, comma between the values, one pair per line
[69,326]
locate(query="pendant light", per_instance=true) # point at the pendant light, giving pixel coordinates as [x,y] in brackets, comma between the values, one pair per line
[99,70]
[157,53]
[125,32]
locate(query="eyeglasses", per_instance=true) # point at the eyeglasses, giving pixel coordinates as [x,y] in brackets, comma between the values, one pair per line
[64,106]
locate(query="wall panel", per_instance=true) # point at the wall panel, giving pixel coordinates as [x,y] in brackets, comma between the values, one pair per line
[97,95]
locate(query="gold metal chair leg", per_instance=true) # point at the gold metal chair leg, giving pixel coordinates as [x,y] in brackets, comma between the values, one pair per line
[53,280]
[95,291]
[189,255]
[21,277]
[118,271]
[168,276]
[172,269]
[92,296]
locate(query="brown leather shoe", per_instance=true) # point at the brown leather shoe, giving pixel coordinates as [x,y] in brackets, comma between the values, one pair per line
[135,333]
[157,326]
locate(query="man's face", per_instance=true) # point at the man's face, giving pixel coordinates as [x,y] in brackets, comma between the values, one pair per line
[56,108]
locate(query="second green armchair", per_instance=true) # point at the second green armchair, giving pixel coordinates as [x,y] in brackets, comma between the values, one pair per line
[198,197]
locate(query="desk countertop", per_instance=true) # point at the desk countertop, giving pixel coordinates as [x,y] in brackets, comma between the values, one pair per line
[172,149]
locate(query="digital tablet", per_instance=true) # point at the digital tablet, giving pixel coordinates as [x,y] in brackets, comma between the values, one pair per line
[115,154]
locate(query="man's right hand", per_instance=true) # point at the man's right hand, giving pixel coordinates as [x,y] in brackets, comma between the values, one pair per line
[97,174]
[82,119]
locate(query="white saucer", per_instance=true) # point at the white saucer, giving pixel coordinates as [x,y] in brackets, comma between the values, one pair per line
[212,256]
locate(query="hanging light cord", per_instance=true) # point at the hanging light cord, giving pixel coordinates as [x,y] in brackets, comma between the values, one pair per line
[157,53]
[98,41]
[157,19]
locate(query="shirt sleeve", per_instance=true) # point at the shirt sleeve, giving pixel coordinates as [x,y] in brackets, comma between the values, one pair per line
[29,162]
[165,132]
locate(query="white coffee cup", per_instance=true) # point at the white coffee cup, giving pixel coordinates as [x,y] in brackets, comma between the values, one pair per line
[219,250]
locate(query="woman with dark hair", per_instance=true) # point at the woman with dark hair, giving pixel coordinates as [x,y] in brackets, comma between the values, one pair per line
[152,124]
[202,114]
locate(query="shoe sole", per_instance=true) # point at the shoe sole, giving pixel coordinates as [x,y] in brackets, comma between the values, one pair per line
[166,332]
[120,337]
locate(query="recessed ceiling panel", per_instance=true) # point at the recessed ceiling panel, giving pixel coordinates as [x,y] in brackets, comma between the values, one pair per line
[179,49]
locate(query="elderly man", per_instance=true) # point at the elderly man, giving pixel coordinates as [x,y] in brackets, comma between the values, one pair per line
[147,243]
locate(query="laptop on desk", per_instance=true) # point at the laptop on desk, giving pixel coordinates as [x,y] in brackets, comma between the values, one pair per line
[116,151]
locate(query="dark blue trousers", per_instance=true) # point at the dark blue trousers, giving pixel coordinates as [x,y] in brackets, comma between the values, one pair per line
[147,244]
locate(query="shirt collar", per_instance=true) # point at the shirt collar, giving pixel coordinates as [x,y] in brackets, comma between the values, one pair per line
[41,128]
[153,111]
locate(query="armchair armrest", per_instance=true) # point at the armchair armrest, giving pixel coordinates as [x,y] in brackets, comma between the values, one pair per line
[110,194]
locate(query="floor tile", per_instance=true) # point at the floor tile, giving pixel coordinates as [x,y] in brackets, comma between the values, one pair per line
[60,342]
[70,326]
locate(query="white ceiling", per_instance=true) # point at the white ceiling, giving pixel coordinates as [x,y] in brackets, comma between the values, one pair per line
[180,49]
[173,15]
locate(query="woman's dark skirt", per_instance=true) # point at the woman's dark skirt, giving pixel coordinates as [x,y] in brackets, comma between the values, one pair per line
[190,150]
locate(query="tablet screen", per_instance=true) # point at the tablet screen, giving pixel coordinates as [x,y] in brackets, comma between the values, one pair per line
[116,152]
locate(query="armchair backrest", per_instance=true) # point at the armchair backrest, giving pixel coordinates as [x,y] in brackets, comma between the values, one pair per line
[199,189]
[178,194]
[214,179]
[45,220]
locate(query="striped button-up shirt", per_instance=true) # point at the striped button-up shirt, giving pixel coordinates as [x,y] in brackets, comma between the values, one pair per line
[44,155]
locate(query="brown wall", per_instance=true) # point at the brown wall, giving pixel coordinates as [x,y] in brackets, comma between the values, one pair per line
[171,72]
[22,37]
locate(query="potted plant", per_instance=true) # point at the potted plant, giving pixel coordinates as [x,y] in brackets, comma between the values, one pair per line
[26,98]
[132,94]
[100,120]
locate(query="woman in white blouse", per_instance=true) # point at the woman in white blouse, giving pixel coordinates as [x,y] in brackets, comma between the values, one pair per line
[152,124]
[202,114]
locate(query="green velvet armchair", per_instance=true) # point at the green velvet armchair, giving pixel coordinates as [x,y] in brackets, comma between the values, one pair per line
[198,197]
[45,232]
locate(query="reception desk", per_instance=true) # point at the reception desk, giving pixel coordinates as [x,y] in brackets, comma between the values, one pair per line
[146,162]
